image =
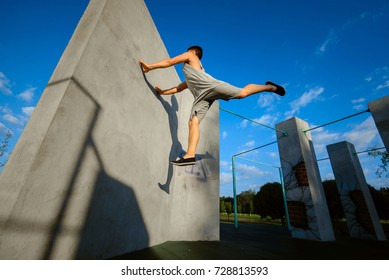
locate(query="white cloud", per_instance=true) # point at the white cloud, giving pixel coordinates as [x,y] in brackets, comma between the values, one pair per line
[243,172]
[379,73]
[360,100]
[273,155]
[329,176]
[267,119]
[266,100]
[3,130]
[12,119]
[323,46]
[243,124]
[16,119]
[249,144]
[363,134]
[321,138]
[225,165]
[304,100]
[254,187]
[5,85]
[334,35]
[28,111]
[359,107]
[5,110]
[367,171]
[379,78]
[249,171]
[382,86]
[331,40]
[224,135]
[28,94]
[225,178]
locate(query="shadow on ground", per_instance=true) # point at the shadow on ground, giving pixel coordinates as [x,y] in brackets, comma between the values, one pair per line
[256,241]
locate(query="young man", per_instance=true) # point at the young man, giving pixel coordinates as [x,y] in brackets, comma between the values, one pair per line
[205,90]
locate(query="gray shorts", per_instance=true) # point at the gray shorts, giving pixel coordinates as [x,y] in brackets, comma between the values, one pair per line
[202,104]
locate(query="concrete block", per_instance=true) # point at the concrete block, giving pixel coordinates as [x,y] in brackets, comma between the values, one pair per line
[358,205]
[308,212]
[380,112]
[90,177]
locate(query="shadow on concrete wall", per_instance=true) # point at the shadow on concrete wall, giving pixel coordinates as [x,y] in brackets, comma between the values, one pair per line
[114,224]
[176,147]
[202,160]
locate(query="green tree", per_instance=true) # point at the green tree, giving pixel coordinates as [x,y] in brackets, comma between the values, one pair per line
[238,209]
[381,201]
[249,208]
[228,205]
[246,198]
[269,201]
[222,206]
[383,167]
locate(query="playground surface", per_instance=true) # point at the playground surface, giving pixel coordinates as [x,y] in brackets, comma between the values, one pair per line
[264,242]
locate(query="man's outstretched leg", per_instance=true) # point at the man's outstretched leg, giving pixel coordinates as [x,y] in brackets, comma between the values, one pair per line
[253,89]
[193,140]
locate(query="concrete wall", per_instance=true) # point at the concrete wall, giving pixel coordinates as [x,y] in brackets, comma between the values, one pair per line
[380,112]
[90,177]
[308,212]
[358,205]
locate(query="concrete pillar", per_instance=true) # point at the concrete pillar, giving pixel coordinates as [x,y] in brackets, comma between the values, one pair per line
[90,177]
[358,205]
[380,112]
[307,206]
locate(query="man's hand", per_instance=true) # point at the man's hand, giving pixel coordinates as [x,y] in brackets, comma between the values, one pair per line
[145,66]
[172,90]
[158,89]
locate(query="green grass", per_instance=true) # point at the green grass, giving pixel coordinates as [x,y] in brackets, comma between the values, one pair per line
[246,218]
[339,226]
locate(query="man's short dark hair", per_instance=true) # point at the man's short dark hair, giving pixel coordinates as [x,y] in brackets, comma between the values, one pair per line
[198,50]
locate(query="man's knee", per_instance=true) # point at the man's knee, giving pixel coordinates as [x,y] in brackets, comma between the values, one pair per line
[194,121]
[242,94]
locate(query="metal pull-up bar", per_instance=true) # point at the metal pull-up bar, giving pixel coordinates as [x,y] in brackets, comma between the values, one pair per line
[335,121]
[285,133]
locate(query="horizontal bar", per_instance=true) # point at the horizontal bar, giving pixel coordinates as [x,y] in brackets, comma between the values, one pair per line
[245,152]
[285,133]
[370,150]
[246,159]
[306,130]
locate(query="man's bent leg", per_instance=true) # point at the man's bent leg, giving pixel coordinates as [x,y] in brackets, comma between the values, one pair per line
[193,138]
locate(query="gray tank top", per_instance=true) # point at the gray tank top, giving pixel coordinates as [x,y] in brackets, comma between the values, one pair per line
[198,81]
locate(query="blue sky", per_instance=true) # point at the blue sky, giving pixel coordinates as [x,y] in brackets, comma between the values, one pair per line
[331,56]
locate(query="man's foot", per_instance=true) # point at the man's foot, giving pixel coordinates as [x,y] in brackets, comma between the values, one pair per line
[279,89]
[184,161]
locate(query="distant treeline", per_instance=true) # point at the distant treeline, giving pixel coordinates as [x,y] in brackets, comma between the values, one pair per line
[268,201]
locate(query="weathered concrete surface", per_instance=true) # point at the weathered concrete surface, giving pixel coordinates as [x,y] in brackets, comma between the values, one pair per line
[380,112]
[303,185]
[358,205]
[90,177]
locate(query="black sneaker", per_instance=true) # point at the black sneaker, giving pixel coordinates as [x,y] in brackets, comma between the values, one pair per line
[184,161]
[280,90]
